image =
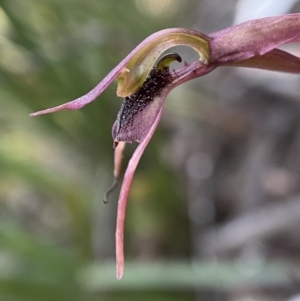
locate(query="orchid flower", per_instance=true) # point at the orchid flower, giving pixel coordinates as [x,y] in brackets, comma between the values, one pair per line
[144,88]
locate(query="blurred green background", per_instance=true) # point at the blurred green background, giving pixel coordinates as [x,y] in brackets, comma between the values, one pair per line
[214,211]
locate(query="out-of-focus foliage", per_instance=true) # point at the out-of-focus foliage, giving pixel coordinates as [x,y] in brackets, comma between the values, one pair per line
[219,181]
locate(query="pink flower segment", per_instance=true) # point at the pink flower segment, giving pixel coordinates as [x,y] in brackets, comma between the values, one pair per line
[251,44]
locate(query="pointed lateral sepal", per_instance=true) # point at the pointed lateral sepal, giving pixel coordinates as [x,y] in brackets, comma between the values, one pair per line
[151,116]
[123,197]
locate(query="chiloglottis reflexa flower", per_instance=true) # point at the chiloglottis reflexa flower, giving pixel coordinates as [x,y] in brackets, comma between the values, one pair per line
[252,44]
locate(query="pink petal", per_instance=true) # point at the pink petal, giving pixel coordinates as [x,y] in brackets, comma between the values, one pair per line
[80,102]
[252,38]
[275,60]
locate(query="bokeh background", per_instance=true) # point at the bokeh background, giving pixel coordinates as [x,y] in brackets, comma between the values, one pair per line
[214,211]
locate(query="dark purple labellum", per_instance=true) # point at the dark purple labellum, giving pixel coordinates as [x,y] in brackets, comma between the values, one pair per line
[139,109]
